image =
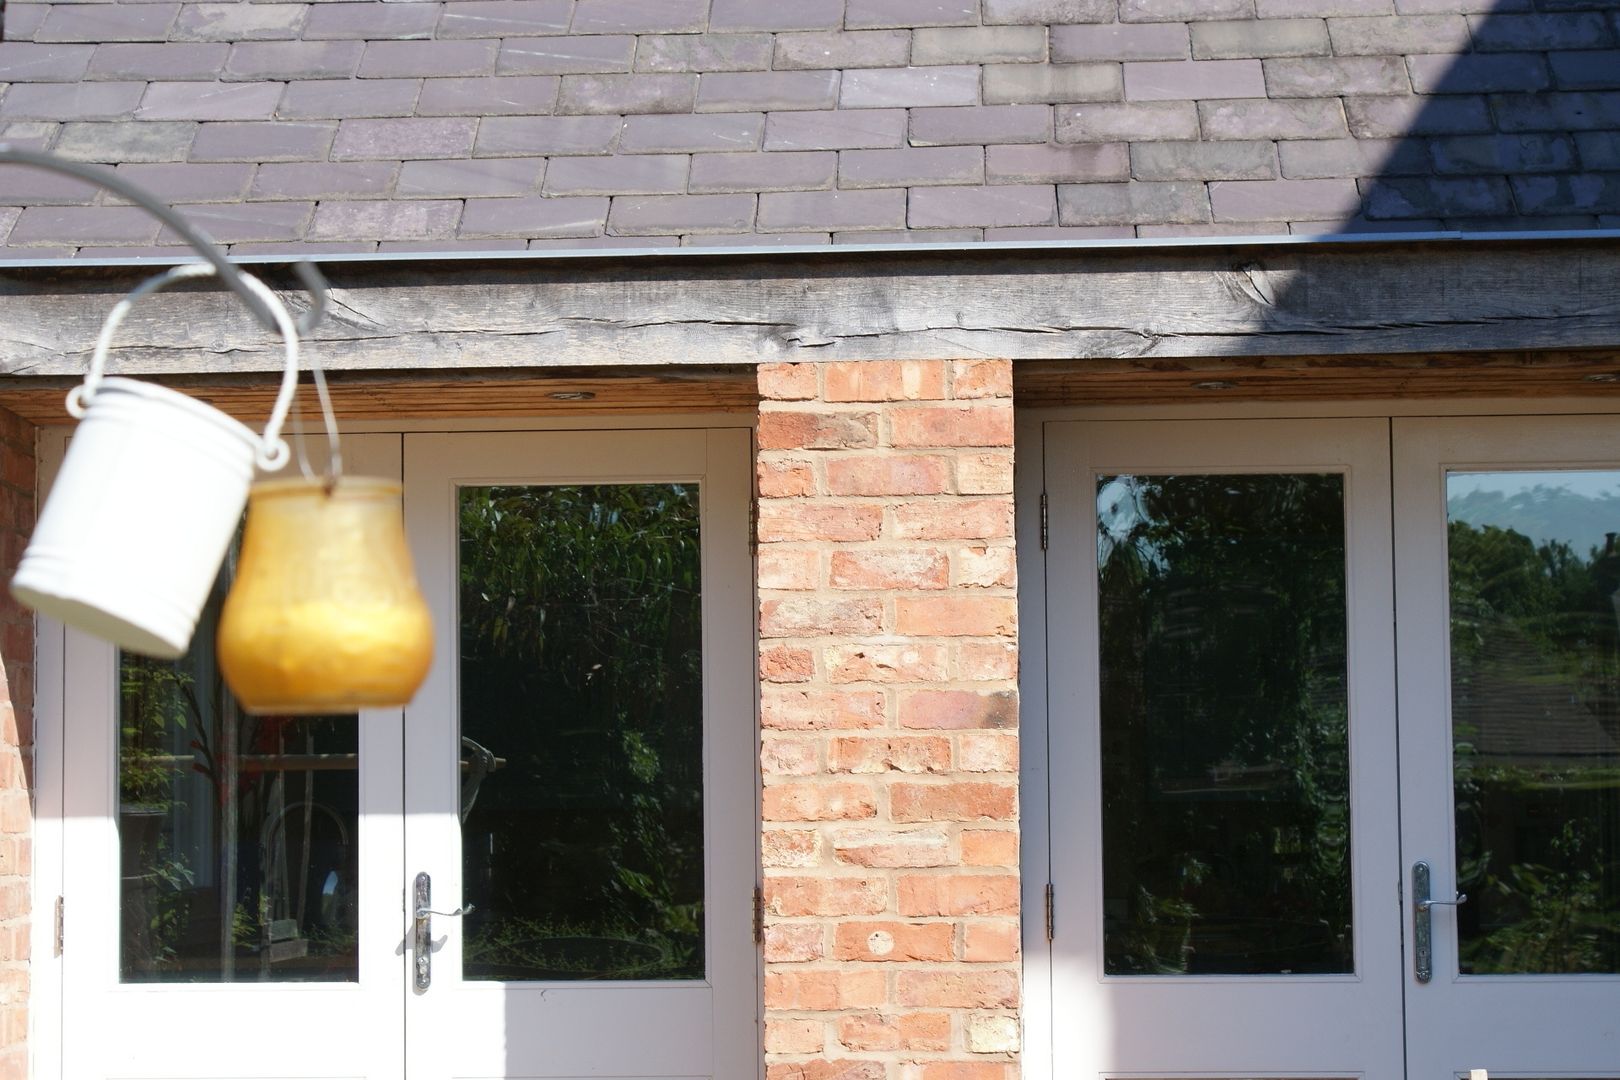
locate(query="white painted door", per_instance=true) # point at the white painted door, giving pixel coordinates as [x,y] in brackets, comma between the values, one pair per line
[1222,750]
[581,760]
[1508,603]
[230,883]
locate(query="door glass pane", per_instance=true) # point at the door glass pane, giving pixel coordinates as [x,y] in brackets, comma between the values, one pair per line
[582,732]
[1225,740]
[236,833]
[1535,719]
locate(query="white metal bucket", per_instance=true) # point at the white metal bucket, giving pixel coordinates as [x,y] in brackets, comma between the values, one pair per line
[147,499]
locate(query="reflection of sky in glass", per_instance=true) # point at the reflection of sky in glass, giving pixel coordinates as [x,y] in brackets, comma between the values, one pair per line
[1574,506]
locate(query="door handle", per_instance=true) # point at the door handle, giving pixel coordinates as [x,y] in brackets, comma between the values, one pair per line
[422,928]
[1422,932]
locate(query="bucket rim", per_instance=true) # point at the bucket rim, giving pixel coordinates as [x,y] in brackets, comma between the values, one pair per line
[201,410]
[355,487]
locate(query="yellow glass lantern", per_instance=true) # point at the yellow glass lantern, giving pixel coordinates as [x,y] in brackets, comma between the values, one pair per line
[325,615]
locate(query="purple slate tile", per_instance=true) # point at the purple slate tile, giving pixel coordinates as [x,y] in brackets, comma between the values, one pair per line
[842,49]
[1592,69]
[165,252]
[371,21]
[1270,200]
[59,225]
[729,15]
[386,219]
[107,22]
[627,94]
[36,187]
[981,124]
[209,101]
[524,136]
[266,60]
[703,52]
[877,14]
[1599,150]
[857,129]
[490,95]
[236,223]
[910,166]
[71,101]
[323,180]
[679,215]
[185,183]
[1479,73]
[404,59]
[1120,41]
[483,177]
[876,209]
[139,60]
[235,21]
[1575,111]
[1171,80]
[318,99]
[621,174]
[704,133]
[25,61]
[639,16]
[305,249]
[891,88]
[982,207]
[408,137]
[21,22]
[784,170]
[1076,163]
[505,18]
[536,217]
[1133,203]
[566,56]
[767,90]
[120,142]
[1498,32]
[280,141]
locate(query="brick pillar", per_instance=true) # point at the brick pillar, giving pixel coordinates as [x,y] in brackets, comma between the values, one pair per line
[888,658]
[16,743]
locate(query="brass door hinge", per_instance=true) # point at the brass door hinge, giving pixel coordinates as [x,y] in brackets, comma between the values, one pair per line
[1051,912]
[1046,522]
[759,915]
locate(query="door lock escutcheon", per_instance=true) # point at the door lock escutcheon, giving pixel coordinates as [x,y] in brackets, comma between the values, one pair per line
[422,928]
[1422,932]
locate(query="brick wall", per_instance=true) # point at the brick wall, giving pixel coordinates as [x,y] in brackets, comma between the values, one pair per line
[16,744]
[888,639]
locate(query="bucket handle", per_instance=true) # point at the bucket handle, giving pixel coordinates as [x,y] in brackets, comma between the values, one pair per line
[272,452]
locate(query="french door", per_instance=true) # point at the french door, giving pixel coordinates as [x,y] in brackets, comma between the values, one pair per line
[541,868]
[1290,700]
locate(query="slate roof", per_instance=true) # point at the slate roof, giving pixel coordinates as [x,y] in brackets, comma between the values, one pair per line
[361,125]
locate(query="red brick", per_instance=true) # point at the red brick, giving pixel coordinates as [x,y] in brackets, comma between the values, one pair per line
[985,567]
[958,894]
[886,1031]
[815,617]
[786,382]
[794,943]
[796,897]
[981,379]
[896,753]
[820,431]
[989,847]
[824,801]
[987,752]
[990,941]
[957,709]
[905,568]
[794,989]
[892,847]
[786,664]
[953,802]
[787,520]
[955,519]
[960,1070]
[972,425]
[806,710]
[779,479]
[789,757]
[893,941]
[841,1069]
[794,1036]
[787,569]
[886,663]
[956,616]
[795,848]
[986,661]
[885,380]
[989,473]
[888,474]
[957,989]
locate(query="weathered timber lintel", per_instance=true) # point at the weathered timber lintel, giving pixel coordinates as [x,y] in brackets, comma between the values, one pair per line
[1058,305]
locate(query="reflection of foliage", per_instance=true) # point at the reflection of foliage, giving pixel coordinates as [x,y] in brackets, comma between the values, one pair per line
[581,666]
[1225,817]
[1535,690]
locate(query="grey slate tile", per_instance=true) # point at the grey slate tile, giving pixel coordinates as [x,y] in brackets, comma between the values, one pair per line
[767,90]
[1468,7]
[621,174]
[305,249]
[1171,80]
[26,61]
[505,18]
[1273,37]
[121,142]
[910,166]
[404,59]
[107,22]
[30,134]
[235,21]
[855,129]
[1393,117]
[406,137]
[1336,76]
[1426,197]
[485,177]
[1599,150]
[209,101]
[1067,233]
[566,56]
[1075,163]
[890,88]
[1597,69]
[1324,158]
[266,60]
[1122,122]
[982,207]
[386,219]
[186,182]
[1592,193]
[1133,203]
[303,140]
[730,15]
[1121,41]
[1249,160]
[489,95]
[1269,200]
[1023,84]
[58,225]
[339,98]
[814,210]
[783,170]
[1184,10]
[1048,12]
[1496,32]
[878,14]
[1479,73]
[627,94]
[1395,35]
[981,124]
[21,22]
[588,243]
[1573,111]
[680,215]
[323,180]
[910,236]
[704,133]
[238,223]
[1286,118]
[980,45]
[1283,9]
[842,49]
[526,136]
[534,217]
[71,101]
[703,52]
[456,244]
[140,60]
[781,239]
[1471,155]
[370,21]
[640,16]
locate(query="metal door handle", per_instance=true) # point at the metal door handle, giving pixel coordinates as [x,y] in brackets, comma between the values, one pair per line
[1422,932]
[422,929]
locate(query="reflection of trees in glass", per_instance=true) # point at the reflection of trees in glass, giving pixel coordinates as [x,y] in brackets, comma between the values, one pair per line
[581,669]
[1535,688]
[1224,726]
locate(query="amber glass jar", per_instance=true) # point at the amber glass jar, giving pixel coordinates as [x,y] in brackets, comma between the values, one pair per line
[324,615]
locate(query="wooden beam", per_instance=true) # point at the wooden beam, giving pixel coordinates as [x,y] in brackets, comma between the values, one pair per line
[1068,305]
